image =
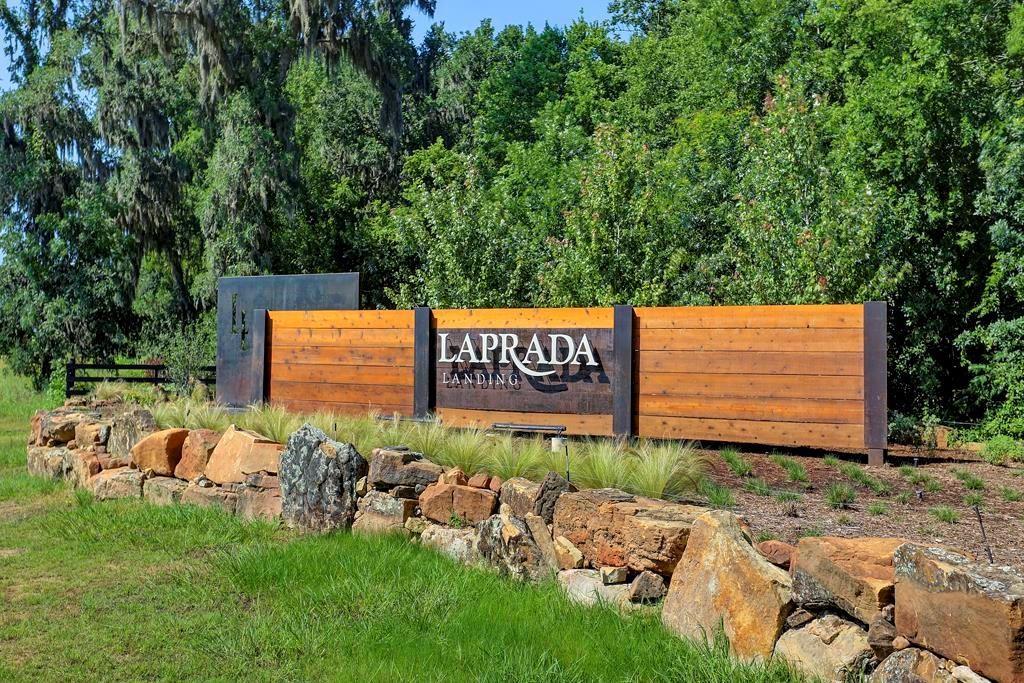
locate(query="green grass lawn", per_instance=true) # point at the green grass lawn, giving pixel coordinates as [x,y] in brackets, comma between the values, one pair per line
[125,591]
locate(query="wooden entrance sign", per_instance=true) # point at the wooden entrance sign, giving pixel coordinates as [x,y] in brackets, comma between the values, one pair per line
[781,375]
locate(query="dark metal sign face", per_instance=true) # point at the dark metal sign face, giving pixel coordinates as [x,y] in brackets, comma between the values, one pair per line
[524,370]
[239,333]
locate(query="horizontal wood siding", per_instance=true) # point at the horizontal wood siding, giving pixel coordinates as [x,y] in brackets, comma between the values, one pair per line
[341,361]
[487,318]
[778,375]
[580,425]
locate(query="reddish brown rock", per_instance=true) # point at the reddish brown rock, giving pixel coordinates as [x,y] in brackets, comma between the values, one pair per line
[56,427]
[472,504]
[440,502]
[854,575]
[436,502]
[966,611]
[480,480]
[389,468]
[453,476]
[723,582]
[195,453]
[256,503]
[112,462]
[776,552]
[82,466]
[160,451]
[213,496]
[495,484]
[612,528]
[240,452]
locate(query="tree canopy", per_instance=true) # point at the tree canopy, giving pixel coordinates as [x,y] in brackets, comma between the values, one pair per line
[683,152]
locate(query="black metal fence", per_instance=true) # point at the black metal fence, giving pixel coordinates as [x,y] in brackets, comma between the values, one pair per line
[137,373]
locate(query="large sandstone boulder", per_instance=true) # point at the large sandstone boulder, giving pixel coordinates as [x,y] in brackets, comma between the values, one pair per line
[828,648]
[585,587]
[380,512]
[505,542]
[46,462]
[159,451]
[854,575]
[127,429]
[390,468]
[616,529]
[542,536]
[458,544]
[318,481]
[163,490]
[209,497]
[120,483]
[240,452]
[443,502]
[722,581]
[195,453]
[966,611]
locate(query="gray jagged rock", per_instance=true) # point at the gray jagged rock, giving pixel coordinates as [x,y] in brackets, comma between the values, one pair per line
[318,481]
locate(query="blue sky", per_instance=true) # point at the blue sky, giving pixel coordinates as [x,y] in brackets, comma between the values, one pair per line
[466,15]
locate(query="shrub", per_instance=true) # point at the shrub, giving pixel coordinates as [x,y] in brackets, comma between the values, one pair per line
[945,514]
[736,463]
[1001,450]
[186,351]
[904,429]
[839,496]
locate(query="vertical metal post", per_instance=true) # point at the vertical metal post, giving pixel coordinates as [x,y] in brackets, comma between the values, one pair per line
[258,357]
[423,362]
[876,417]
[69,377]
[622,372]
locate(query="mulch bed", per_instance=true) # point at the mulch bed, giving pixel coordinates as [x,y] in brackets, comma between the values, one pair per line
[912,520]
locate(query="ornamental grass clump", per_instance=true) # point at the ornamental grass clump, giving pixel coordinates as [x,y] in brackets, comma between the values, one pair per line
[270,421]
[466,449]
[510,457]
[605,464]
[665,469]
[796,472]
[736,463]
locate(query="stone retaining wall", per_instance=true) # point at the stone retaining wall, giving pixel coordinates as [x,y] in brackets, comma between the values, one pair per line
[835,608]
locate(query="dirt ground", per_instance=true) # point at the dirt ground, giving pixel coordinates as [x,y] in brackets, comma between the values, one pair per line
[908,516]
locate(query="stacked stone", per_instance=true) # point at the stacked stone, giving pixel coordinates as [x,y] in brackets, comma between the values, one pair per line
[835,608]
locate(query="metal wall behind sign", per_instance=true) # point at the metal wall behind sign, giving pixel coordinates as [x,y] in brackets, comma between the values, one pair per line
[241,336]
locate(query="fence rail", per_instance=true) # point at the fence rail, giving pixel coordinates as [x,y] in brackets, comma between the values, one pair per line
[155,373]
